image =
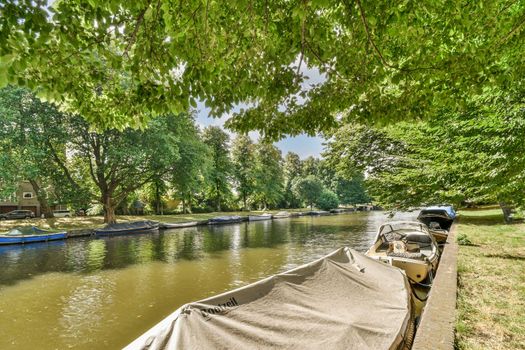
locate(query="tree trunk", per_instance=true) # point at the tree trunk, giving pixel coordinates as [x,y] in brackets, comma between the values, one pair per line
[244,201]
[41,195]
[183,205]
[157,199]
[109,211]
[507,211]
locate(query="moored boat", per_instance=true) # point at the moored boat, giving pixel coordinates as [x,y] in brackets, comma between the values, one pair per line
[439,217]
[407,245]
[281,215]
[225,220]
[168,226]
[31,234]
[318,212]
[260,217]
[126,228]
[341,301]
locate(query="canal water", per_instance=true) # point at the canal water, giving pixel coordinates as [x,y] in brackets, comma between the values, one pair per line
[103,293]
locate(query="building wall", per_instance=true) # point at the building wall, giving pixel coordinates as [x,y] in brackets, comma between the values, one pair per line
[25,198]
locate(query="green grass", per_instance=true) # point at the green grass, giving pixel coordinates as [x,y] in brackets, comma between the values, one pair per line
[491,282]
[85,222]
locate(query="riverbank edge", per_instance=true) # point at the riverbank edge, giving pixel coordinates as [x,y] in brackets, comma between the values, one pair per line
[86,232]
[437,327]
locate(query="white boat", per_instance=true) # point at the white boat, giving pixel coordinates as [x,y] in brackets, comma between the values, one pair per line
[168,226]
[341,301]
[281,215]
[407,245]
[260,217]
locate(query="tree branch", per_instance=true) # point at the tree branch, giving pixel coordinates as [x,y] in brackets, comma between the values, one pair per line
[513,30]
[138,22]
[62,166]
[369,37]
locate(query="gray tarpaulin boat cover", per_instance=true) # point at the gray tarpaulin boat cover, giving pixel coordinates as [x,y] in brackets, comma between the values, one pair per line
[341,301]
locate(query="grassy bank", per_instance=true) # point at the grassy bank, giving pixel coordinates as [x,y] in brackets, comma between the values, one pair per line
[98,221]
[491,282]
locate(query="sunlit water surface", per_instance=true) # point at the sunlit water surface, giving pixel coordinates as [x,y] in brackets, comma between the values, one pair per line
[103,293]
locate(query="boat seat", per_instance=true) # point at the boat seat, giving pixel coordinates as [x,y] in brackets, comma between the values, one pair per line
[418,239]
[406,255]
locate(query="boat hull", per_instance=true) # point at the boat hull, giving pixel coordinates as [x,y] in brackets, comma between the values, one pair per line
[166,226]
[259,217]
[415,270]
[125,232]
[225,220]
[24,239]
[440,236]
[128,228]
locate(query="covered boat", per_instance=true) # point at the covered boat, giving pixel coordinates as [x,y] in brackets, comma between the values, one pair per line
[224,220]
[30,234]
[125,228]
[409,246]
[436,218]
[281,215]
[341,301]
[318,212]
[261,217]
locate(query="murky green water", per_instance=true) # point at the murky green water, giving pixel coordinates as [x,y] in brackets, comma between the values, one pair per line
[103,293]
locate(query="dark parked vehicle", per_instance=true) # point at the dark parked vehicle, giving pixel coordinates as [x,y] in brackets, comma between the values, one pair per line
[17,214]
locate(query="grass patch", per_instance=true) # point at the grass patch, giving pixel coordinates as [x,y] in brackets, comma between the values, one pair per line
[491,282]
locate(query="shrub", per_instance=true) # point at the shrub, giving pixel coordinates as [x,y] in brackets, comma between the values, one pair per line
[327,200]
[462,239]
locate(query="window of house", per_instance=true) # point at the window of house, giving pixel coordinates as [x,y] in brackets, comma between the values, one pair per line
[27,195]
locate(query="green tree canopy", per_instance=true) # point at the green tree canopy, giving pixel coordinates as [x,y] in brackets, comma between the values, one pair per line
[243,160]
[218,188]
[268,175]
[189,173]
[308,188]
[327,200]
[476,156]
[118,63]
[292,169]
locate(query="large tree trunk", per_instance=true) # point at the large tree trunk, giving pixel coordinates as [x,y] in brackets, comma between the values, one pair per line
[507,211]
[183,205]
[41,195]
[109,211]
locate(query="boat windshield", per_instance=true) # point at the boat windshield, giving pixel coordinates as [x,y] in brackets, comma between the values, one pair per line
[395,231]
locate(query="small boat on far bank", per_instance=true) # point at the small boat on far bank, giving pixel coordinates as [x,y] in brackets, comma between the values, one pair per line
[30,234]
[281,215]
[260,217]
[224,220]
[318,212]
[126,228]
[168,226]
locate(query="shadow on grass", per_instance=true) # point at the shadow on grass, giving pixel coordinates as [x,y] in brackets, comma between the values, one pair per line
[505,256]
[481,220]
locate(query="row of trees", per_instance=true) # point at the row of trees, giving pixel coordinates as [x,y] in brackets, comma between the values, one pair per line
[464,158]
[68,161]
